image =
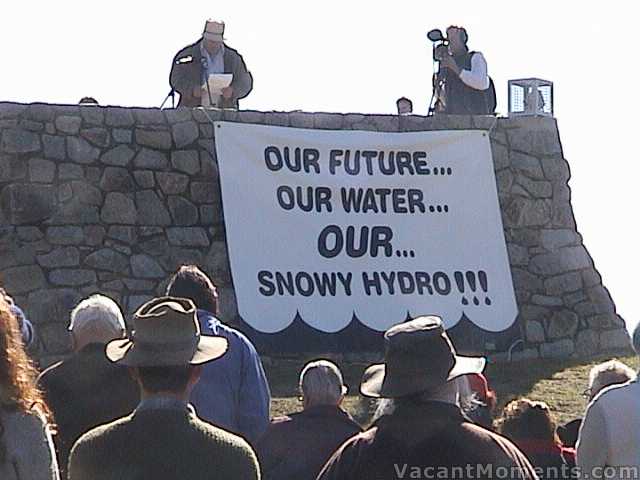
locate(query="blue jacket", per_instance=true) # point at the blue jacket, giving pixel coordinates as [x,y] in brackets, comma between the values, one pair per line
[233,392]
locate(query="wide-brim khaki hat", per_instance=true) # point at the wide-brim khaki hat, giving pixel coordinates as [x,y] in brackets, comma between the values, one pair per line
[166,332]
[419,357]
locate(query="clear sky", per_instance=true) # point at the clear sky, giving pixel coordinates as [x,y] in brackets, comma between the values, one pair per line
[359,56]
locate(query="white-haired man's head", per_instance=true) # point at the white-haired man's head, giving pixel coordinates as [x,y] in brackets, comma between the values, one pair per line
[608,373]
[321,383]
[96,319]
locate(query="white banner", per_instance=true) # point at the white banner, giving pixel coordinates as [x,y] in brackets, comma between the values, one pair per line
[337,224]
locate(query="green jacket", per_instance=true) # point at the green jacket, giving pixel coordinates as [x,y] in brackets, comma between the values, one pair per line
[186,73]
[160,444]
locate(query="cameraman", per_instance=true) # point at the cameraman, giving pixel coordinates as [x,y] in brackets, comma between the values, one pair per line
[467,86]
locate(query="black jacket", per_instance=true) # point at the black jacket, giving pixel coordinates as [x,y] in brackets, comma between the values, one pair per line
[186,73]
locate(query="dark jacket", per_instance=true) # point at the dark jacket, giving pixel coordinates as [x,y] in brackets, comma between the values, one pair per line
[297,446]
[186,73]
[430,438]
[161,444]
[85,391]
[552,461]
[461,99]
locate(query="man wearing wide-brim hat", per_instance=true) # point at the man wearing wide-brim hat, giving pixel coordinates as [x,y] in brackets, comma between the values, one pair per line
[209,55]
[426,435]
[163,438]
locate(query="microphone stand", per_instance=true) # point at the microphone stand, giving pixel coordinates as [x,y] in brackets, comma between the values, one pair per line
[172,94]
[434,81]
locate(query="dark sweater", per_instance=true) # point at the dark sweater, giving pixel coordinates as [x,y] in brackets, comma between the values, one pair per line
[161,444]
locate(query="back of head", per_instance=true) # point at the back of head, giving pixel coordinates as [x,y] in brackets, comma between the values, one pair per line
[608,373]
[321,383]
[191,282]
[524,419]
[96,319]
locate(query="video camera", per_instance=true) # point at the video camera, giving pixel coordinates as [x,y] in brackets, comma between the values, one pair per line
[440,43]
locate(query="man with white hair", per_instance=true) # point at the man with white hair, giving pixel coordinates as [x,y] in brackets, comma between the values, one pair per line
[296,446]
[609,438]
[86,389]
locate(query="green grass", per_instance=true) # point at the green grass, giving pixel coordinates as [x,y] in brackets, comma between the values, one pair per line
[557,382]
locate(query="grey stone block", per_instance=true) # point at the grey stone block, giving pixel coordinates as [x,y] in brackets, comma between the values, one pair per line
[27,203]
[528,165]
[72,277]
[107,259]
[118,208]
[150,116]
[563,323]
[92,115]
[517,255]
[172,183]
[185,133]
[21,280]
[68,235]
[180,114]
[555,239]
[119,117]
[615,339]
[40,112]
[560,261]
[187,237]
[123,234]
[547,301]
[136,285]
[41,170]
[86,193]
[183,212]
[70,171]
[68,124]
[122,135]
[591,277]
[587,343]
[94,234]
[204,192]
[144,178]
[29,234]
[118,156]
[52,305]
[155,246]
[152,159]
[558,349]
[159,139]
[186,161]
[99,137]
[534,332]
[537,189]
[80,151]
[151,210]
[116,179]
[525,212]
[144,266]
[504,181]
[19,141]
[60,257]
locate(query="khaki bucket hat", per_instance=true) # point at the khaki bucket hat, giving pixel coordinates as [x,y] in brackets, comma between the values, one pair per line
[166,333]
[419,357]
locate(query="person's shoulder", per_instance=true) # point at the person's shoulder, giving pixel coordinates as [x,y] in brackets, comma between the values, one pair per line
[103,433]
[234,335]
[50,374]
[216,437]
[617,392]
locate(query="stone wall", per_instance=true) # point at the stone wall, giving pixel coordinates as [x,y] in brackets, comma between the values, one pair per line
[112,200]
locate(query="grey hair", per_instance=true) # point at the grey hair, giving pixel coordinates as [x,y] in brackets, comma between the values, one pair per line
[321,383]
[609,373]
[96,319]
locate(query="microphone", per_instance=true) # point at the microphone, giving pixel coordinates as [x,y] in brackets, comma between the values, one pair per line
[435,35]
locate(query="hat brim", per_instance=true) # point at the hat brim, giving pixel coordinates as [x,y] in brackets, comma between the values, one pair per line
[377,384]
[125,352]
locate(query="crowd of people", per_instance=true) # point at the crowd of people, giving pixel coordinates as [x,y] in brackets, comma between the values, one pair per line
[175,393]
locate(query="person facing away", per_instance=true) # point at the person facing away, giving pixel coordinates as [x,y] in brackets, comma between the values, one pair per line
[26,444]
[86,390]
[610,432]
[296,446]
[163,438]
[532,428]
[468,89]
[425,432]
[209,55]
[233,393]
[404,106]
[602,375]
